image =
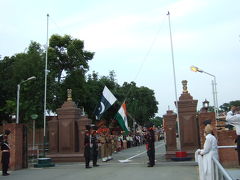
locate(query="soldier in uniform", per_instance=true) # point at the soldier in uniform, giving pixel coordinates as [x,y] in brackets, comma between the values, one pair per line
[5,153]
[150,146]
[95,146]
[109,145]
[102,140]
[87,146]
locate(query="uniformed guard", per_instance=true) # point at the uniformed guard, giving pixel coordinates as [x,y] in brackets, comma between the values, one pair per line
[87,146]
[150,138]
[109,145]
[5,152]
[94,141]
[103,145]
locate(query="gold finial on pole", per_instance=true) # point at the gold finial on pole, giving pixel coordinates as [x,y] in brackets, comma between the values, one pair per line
[69,94]
[184,83]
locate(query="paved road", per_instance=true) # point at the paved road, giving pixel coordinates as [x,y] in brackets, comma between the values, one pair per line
[136,169]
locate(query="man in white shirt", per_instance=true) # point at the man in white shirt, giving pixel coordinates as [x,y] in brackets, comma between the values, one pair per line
[233,118]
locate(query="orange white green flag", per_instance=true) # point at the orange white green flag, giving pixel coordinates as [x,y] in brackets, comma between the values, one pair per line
[122,117]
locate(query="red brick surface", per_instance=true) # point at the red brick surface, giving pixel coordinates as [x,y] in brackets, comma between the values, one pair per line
[228,157]
[15,140]
[203,116]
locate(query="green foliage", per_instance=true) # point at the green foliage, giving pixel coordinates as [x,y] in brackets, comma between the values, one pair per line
[140,101]
[67,68]
[13,71]
[67,54]
[157,121]
[227,106]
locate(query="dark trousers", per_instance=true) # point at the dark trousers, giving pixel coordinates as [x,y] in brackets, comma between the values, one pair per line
[238,148]
[151,157]
[87,155]
[95,156]
[5,161]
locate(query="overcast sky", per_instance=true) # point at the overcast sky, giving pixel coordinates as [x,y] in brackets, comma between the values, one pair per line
[131,37]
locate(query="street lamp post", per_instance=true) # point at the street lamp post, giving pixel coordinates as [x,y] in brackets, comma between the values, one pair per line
[214,87]
[18,95]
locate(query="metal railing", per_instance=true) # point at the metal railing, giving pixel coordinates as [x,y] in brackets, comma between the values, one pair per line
[219,173]
[225,147]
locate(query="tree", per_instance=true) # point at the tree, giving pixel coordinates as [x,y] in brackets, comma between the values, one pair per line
[26,65]
[67,55]
[67,68]
[68,64]
[157,121]
[227,106]
[140,101]
[7,87]
[95,86]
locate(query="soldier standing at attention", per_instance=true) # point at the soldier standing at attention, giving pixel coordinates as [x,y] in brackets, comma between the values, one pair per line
[95,146]
[87,146]
[150,138]
[102,140]
[5,153]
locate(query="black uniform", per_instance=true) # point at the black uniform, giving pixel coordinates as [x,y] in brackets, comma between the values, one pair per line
[150,147]
[87,149]
[94,142]
[5,157]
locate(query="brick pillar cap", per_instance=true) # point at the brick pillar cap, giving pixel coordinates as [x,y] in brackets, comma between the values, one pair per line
[170,112]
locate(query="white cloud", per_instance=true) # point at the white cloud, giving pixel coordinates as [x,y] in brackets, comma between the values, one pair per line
[185,7]
[117,32]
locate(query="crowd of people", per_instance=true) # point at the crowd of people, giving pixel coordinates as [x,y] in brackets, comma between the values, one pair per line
[101,143]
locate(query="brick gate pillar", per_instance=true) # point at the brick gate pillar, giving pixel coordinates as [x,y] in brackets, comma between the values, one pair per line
[189,138]
[169,120]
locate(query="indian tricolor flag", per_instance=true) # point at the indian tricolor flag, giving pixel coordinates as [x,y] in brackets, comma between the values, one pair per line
[122,117]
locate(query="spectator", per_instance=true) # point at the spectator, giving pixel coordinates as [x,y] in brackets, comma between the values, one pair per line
[204,156]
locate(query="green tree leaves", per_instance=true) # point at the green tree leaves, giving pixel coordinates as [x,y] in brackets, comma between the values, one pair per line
[67,69]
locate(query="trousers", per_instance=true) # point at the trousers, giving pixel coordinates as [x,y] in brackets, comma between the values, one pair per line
[5,161]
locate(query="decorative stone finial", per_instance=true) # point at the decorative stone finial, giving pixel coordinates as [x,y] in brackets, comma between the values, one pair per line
[69,94]
[184,83]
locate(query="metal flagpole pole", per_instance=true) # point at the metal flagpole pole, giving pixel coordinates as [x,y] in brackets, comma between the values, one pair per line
[18,97]
[174,77]
[216,99]
[45,93]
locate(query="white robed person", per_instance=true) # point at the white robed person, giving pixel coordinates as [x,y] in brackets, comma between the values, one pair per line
[204,156]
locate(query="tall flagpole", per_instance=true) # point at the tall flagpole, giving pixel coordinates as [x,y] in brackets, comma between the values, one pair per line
[45,93]
[174,78]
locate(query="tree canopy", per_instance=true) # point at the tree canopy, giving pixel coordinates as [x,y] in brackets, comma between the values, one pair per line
[68,66]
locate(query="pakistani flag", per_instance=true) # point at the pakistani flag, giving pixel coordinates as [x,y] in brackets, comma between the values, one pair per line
[106,101]
[122,117]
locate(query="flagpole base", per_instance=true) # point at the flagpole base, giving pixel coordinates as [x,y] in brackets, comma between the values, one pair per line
[44,162]
[181,156]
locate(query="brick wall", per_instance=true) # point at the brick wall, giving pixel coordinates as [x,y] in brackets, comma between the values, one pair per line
[228,157]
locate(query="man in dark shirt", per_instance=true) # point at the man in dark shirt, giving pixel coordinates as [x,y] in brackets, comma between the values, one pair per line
[87,146]
[94,142]
[5,153]
[150,139]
